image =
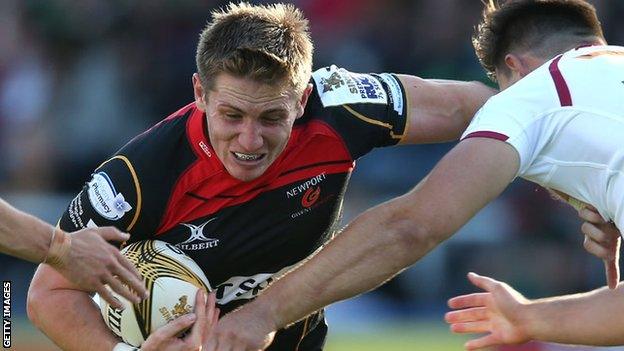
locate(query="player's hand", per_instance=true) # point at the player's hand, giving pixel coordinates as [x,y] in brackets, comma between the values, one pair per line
[93,263]
[241,330]
[497,312]
[203,321]
[602,239]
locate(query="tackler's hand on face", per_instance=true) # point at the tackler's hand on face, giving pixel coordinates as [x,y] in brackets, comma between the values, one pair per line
[602,239]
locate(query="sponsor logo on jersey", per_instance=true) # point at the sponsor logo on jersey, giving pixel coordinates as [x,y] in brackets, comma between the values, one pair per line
[334,81]
[105,199]
[244,288]
[197,240]
[295,191]
[310,192]
[337,86]
[369,87]
[311,195]
[396,95]
[310,200]
[75,212]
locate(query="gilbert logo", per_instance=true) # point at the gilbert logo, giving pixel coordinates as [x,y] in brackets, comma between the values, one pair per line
[310,197]
[198,241]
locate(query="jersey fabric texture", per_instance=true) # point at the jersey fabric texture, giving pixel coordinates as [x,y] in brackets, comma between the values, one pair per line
[566,120]
[168,184]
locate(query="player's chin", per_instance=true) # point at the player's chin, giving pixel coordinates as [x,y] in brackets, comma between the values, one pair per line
[247,173]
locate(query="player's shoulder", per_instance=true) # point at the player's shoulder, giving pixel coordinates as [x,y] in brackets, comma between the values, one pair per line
[161,152]
[167,138]
[588,52]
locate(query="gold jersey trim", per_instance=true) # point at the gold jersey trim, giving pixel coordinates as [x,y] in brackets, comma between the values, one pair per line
[137,185]
[373,121]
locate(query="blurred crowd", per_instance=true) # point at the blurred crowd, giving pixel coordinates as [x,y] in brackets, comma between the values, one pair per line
[79,78]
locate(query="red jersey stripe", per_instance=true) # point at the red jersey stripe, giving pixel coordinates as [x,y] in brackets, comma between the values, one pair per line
[565,99]
[487,134]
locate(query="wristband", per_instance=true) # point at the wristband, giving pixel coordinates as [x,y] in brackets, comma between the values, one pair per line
[125,347]
[60,243]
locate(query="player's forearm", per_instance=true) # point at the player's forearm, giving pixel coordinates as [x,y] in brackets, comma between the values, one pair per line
[68,317]
[22,235]
[593,318]
[371,250]
[441,110]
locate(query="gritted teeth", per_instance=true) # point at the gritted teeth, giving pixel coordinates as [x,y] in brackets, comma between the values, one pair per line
[247,157]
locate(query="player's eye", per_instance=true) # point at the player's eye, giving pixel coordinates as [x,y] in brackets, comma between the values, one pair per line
[272,118]
[233,115]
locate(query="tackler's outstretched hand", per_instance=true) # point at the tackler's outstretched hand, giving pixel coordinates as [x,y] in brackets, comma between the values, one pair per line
[88,260]
[497,312]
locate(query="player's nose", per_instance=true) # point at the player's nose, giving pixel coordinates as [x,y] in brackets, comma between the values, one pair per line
[250,136]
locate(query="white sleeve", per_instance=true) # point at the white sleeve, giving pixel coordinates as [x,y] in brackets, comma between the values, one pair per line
[511,124]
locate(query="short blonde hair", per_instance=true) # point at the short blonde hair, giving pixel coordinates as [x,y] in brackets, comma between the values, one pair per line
[268,43]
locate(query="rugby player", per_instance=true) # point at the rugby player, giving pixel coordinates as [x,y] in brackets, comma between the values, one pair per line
[29,238]
[248,180]
[558,122]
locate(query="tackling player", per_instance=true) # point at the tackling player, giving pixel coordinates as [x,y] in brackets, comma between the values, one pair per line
[84,258]
[249,179]
[559,122]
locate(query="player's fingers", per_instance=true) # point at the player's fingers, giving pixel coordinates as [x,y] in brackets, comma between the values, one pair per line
[215,318]
[134,282]
[198,330]
[117,286]
[612,269]
[125,262]
[211,311]
[112,234]
[597,234]
[483,282]
[482,342]
[176,326]
[597,249]
[107,296]
[471,327]
[470,300]
[467,315]
[590,215]
[591,208]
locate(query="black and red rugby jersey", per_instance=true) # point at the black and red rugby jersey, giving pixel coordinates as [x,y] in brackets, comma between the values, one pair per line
[168,184]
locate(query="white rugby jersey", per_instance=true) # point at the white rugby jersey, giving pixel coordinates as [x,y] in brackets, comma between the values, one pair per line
[566,120]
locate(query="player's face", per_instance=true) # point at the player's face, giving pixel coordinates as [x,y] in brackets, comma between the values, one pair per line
[249,123]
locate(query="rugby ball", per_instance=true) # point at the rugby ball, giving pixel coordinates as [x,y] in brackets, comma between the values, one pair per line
[172,279]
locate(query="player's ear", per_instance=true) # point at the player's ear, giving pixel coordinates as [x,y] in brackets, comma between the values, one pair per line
[304,100]
[198,90]
[519,65]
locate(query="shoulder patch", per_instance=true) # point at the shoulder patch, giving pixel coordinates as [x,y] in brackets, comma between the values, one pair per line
[105,199]
[337,86]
